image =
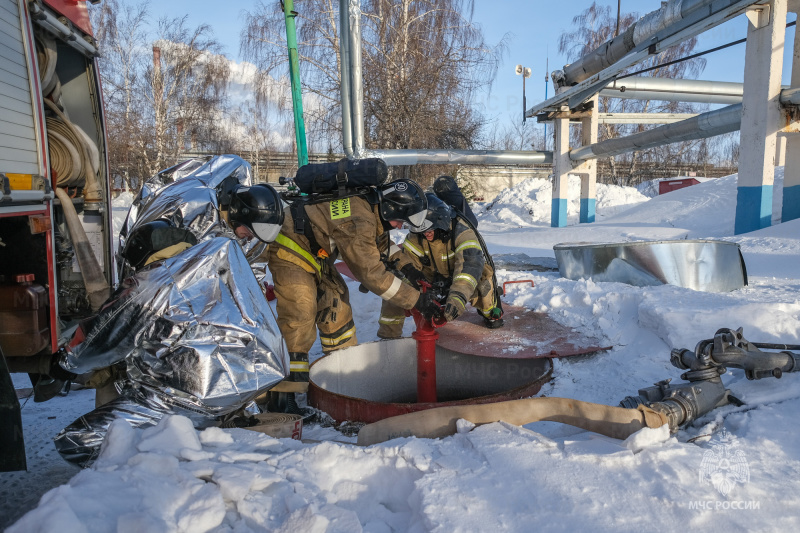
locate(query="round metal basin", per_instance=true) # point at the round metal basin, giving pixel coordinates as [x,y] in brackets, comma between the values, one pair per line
[701,265]
[376,380]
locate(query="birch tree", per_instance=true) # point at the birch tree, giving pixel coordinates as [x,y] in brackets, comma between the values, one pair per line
[165,89]
[423,62]
[121,31]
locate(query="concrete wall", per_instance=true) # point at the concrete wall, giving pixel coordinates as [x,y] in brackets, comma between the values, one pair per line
[486,182]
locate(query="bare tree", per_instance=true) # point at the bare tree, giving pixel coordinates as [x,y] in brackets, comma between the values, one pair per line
[164,94]
[595,26]
[264,44]
[185,86]
[120,30]
[423,61]
[514,135]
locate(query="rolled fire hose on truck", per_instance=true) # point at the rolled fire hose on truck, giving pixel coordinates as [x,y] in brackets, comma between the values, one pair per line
[75,161]
[46,53]
[73,156]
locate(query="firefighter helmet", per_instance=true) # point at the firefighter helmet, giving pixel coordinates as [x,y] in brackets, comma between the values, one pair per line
[438,217]
[403,200]
[259,208]
[152,237]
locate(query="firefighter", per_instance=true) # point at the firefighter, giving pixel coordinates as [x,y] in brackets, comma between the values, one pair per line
[254,212]
[250,212]
[309,289]
[446,252]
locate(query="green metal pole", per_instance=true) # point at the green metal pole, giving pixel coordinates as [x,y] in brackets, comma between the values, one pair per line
[294,74]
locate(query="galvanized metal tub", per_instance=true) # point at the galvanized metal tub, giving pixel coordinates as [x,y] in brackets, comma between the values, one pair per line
[702,265]
[376,380]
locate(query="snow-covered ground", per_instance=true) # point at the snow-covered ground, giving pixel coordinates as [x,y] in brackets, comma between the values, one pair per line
[497,477]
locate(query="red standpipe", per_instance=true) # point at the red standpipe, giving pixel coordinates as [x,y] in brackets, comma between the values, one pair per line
[426,337]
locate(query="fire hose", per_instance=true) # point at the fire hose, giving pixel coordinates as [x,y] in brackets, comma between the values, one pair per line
[73,156]
[675,405]
[47,54]
[615,422]
[93,279]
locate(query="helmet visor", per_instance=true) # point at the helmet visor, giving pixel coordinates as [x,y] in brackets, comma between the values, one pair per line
[426,225]
[266,232]
[418,219]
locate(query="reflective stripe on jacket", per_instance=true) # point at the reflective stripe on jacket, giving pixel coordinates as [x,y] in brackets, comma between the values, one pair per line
[350,228]
[461,259]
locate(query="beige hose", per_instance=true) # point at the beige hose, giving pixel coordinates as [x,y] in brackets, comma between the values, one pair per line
[92,192]
[96,287]
[64,157]
[615,422]
[46,52]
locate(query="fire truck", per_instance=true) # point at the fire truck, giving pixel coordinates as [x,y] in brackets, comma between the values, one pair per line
[56,264]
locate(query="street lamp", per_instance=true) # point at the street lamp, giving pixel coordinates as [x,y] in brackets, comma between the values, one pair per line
[526,73]
[546,81]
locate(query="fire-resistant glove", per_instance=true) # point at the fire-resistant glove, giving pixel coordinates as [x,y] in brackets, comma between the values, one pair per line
[427,306]
[413,275]
[454,306]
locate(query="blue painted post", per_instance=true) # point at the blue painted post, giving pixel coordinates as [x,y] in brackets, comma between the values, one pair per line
[562,166]
[588,169]
[761,115]
[588,200]
[791,169]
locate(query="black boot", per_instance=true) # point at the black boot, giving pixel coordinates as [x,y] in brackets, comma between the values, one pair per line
[56,382]
[47,387]
[491,319]
[281,398]
[283,402]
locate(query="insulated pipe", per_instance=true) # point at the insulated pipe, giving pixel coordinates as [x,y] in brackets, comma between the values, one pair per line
[344,79]
[716,122]
[672,90]
[460,157]
[640,31]
[790,96]
[356,81]
[614,422]
[353,96]
[93,279]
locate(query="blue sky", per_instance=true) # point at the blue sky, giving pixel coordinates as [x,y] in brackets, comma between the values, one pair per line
[533,26]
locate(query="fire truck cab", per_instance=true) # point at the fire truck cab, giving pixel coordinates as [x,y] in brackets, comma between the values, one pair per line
[56,264]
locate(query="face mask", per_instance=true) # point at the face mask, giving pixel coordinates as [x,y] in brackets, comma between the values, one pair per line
[266,232]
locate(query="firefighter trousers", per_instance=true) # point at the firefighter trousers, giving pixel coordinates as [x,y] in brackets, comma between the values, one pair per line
[310,301]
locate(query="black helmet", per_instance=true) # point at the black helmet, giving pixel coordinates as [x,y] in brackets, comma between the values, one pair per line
[259,208]
[152,237]
[439,215]
[403,200]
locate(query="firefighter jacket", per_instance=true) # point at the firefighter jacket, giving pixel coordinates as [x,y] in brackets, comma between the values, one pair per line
[459,259]
[348,228]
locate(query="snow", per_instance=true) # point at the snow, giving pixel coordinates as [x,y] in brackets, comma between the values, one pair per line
[498,477]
